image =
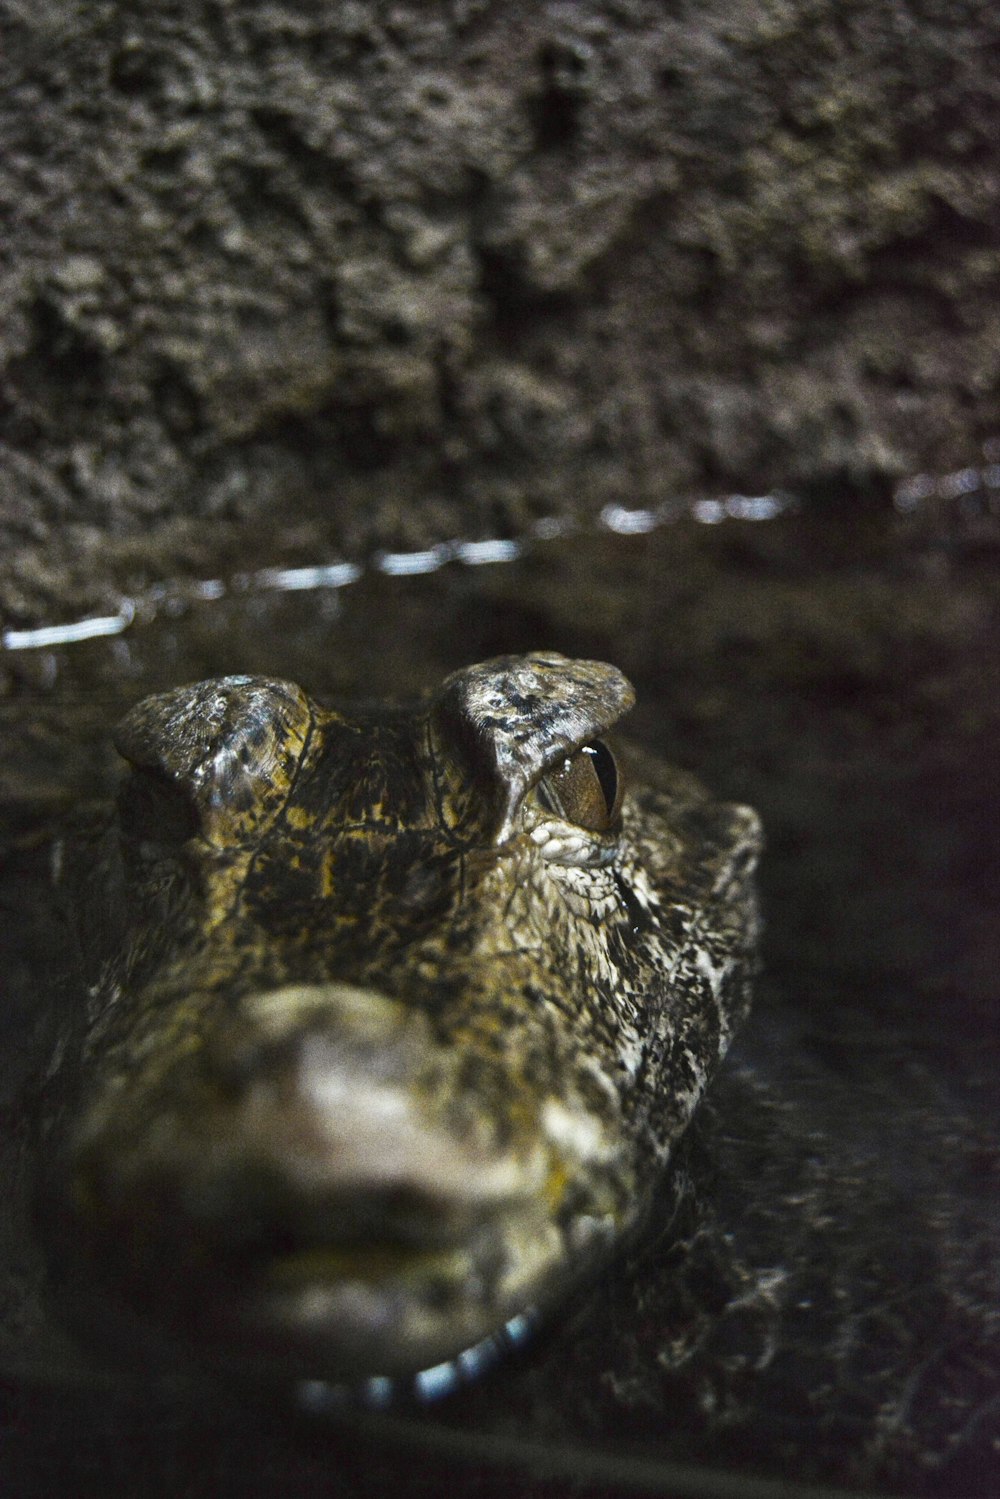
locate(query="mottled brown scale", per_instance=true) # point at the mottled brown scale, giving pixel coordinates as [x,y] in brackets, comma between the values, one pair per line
[394,1014]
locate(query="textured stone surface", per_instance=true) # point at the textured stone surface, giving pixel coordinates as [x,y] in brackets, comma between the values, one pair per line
[381,273]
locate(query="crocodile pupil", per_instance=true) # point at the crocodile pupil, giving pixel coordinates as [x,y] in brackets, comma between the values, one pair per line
[585,788]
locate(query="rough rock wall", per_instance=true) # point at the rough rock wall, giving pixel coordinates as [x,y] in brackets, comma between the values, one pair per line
[385,272]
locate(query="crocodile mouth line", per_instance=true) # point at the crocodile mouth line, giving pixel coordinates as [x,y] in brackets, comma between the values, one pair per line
[357,1312]
[289,1332]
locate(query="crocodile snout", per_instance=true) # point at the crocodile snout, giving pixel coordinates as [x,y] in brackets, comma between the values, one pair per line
[330,1209]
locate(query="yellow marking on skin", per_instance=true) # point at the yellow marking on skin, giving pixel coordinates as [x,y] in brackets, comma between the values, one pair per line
[555,1184]
[299,818]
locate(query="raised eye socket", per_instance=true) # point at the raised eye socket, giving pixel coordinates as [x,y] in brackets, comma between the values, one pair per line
[585,789]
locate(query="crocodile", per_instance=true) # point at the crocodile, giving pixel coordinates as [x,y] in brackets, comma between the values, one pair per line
[391,1015]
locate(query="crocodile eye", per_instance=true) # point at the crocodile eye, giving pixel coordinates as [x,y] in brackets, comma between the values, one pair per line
[585,788]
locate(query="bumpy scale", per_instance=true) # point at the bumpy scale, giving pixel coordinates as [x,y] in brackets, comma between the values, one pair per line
[394,1015]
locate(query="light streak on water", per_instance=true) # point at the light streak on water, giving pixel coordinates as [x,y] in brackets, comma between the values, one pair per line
[963,481]
[481,553]
[913,492]
[297,579]
[208,588]
[708,512]
[625,522]
[620,520]
[409,564]
[746,507]
[756,507]
[69,634]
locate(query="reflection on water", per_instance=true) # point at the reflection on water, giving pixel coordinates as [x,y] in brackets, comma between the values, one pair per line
[976,488]
[616,519]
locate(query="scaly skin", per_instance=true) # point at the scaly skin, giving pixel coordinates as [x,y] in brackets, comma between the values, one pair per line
[382,1046]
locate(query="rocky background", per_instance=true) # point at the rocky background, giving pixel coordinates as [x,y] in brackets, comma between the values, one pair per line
[383,273]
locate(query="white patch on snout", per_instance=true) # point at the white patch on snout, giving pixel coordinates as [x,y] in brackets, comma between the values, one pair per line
[335,1095]
[576,1133]
[373,1133]
[352,1114]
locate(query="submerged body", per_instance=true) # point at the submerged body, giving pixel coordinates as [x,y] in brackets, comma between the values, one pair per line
[394,1016]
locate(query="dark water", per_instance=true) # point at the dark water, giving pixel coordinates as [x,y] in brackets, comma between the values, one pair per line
[818,1302]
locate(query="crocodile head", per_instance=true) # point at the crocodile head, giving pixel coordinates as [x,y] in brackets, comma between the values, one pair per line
[394,1014]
